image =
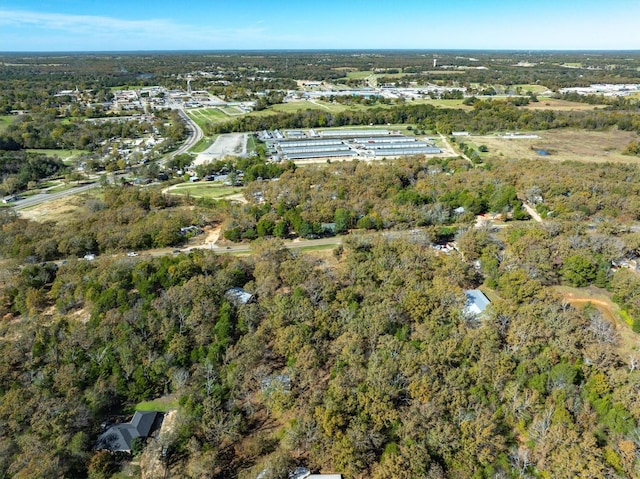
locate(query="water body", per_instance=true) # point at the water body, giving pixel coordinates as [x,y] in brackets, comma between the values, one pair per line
[543,152]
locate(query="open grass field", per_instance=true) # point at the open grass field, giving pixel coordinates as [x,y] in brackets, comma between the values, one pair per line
[563,145]
[206,116]
[208,113]
[530,87]
[560,105]
[205,190]
[232,110]
[442,103]
[322,247]
[358,75]
[62,210]
[203,144]
[66,155]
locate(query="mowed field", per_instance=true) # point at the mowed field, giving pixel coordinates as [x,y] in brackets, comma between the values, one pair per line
[203,189]
[564,145]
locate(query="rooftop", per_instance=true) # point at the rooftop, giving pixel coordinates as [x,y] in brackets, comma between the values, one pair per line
[477,302]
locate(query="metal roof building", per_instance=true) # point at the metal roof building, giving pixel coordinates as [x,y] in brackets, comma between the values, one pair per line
[287,144]
[404,151]
[354,133]
[477,302]
[320,154]
[390,139]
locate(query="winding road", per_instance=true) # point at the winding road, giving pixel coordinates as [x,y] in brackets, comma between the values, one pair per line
[195,134]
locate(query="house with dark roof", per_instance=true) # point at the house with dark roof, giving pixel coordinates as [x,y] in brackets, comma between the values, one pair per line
[120,437]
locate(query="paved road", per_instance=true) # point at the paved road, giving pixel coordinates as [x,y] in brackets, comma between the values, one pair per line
[44,197]
[195,135]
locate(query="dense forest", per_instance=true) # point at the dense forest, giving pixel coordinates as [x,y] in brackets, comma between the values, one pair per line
[363,362]
[366,364]
[362,359]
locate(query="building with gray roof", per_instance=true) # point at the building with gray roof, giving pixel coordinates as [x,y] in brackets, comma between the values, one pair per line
[120,437]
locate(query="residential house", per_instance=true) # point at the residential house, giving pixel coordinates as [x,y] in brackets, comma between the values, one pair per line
[477,302]
[120,437]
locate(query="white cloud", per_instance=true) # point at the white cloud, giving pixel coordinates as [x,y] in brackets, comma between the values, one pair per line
[77,23]
[97,32]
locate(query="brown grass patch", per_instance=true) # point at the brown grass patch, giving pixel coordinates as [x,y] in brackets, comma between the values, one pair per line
[560,105]
[564,145]
[60,210]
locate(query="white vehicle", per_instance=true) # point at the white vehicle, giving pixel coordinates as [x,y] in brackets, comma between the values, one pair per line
[132,253]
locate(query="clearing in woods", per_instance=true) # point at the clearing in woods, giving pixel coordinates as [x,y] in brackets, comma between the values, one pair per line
[601,300]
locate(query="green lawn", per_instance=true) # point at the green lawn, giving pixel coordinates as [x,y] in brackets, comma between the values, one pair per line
[205,190]
[162,404]
[251,144]
[529,87]
[232,110]
[5,121]
[62,187]
[203,144]
[322,247]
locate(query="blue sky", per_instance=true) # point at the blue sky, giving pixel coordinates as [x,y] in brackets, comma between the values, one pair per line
[115,25]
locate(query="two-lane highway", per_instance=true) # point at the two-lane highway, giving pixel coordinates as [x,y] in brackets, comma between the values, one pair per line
[44,197]
[195,134]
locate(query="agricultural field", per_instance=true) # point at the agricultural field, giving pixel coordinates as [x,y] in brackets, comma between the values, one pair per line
[563,145]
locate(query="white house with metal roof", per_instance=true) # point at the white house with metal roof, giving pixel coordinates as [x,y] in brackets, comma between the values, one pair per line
[477,302]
